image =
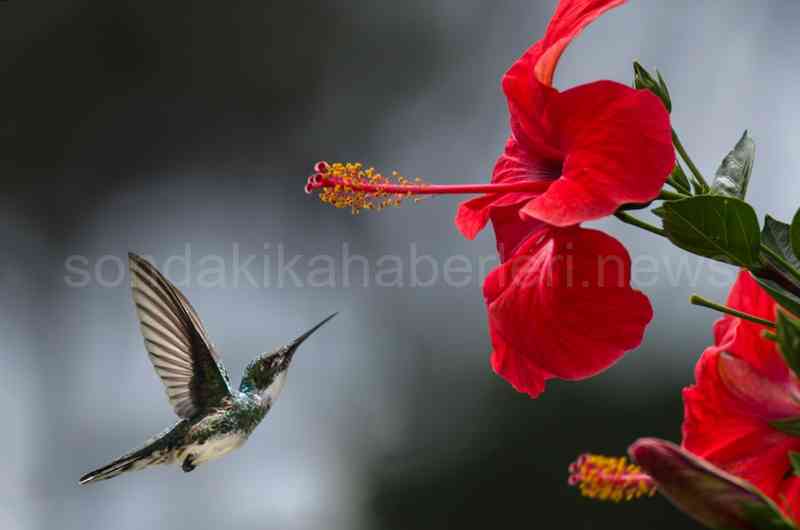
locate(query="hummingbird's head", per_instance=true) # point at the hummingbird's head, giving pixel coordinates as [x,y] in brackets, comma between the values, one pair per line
[266,369]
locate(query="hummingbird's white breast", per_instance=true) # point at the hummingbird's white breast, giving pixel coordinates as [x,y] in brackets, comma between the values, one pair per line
[212,448]
[274,389]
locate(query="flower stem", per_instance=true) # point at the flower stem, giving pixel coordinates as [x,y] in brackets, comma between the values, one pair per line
[633,221]
[704,302]
[693,168]
[667,195]
[680,187]
[780,259]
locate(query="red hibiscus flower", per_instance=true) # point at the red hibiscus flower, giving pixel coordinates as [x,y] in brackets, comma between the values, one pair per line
[593,148]
[741,425]
[560,305]
[743,386]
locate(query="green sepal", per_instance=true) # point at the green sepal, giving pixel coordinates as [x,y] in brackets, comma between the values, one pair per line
[794,458]
[790,426]
[785,298]
[788,331]
[794,234]
[679,180]
[734,172]
[722,228]
[643,80]
[766,517]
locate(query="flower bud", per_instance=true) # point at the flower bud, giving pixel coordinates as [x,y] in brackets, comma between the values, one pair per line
[643,80]
[705,492]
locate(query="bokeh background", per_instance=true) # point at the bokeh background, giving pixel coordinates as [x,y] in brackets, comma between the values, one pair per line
[159,127]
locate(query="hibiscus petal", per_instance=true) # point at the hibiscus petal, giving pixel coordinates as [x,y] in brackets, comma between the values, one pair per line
[527,84]
[745,339]
[534,70]
[569,19]
[771,400]
[503,210]
[511,232]
[790,497]
[521,373]
[472,215]
[563,307]
[618,149]
[730,432]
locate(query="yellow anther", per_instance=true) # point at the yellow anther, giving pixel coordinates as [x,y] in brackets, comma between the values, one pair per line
[610,479]
[349,185]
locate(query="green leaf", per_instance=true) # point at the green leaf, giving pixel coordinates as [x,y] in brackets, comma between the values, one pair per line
[733,174]
[790,426]
[776,235]
[795,459]
[794,232]
[789,340]
[717,227]
[785,298]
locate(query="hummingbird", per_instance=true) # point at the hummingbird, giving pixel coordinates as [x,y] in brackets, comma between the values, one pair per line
[214,419]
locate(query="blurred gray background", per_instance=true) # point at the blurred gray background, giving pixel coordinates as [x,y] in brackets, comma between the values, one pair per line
[166,126]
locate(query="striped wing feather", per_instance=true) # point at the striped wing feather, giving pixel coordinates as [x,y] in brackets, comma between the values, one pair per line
[176,342]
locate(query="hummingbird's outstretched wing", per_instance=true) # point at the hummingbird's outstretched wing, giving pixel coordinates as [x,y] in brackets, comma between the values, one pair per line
[177,342]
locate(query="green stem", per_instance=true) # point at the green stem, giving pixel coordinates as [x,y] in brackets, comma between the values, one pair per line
[633,221]
[680,187]
[780,259]
[693,168]
[667,195]
[704,302]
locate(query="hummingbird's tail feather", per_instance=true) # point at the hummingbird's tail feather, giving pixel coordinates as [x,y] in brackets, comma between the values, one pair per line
[155,453]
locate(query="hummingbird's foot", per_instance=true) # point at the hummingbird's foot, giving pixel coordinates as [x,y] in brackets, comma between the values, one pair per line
[188,464]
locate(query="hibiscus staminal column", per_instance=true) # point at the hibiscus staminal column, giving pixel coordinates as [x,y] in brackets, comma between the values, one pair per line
[351,186]
[610,479]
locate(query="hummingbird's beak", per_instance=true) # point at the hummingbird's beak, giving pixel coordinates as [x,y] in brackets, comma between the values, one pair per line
[299,340]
